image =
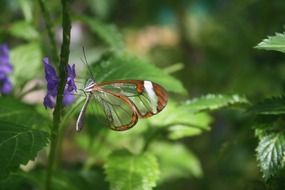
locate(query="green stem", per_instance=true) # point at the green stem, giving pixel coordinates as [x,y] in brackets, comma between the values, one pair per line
[150,136]
[49,30]
[64,56]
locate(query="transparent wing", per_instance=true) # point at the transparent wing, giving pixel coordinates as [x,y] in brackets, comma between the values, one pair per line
[147,97]
[116,112]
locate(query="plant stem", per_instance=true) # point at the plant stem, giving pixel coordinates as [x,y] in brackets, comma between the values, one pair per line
[64,56]
[49,30]
[153,133]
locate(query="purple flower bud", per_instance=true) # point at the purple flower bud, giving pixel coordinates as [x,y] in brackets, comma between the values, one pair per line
[49,101]
[70,79]
[67,98]
[52,85]
[6,86]
[5,69]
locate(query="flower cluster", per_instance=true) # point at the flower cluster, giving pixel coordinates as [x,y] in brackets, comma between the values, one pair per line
[5,69]
[52,85]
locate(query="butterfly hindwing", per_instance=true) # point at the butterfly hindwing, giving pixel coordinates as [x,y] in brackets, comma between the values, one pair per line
[118,110]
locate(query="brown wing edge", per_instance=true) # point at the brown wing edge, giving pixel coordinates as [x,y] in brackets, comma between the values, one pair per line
[162,100]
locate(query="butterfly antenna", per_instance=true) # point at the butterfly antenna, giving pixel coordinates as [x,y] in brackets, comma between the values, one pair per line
[86,63]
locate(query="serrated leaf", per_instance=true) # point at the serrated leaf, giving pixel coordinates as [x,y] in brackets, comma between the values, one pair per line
[24,30]
[18,145]
[126,66]
[107,32]
[215,101]
[276,43]
[270,106]
[270,154]
[132,172]
[14,111]
[172,167]
[26,60]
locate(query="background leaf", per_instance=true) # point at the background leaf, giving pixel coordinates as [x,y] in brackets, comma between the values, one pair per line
[181,121]
[24,30]
[215,101]
[107,32]
[269,106]
[18,145]
[26,60]
[14,111]
[132,172]
[270,154]
[69,179]
[276,43]
[184,165]
[126,66]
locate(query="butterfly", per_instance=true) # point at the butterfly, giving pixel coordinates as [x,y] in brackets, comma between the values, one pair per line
[123,102]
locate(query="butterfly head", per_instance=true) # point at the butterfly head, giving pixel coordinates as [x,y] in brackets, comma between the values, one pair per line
[89,85]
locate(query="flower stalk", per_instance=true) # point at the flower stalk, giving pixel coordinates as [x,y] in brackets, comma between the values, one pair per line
[47,18]
[64,57]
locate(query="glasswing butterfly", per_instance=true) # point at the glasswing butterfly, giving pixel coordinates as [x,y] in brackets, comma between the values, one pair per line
[123,102]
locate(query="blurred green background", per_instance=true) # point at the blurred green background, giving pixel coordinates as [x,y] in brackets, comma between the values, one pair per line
[208,45]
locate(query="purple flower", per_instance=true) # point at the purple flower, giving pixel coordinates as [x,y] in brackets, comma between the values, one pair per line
[70,78]
[5,69]
[52,84]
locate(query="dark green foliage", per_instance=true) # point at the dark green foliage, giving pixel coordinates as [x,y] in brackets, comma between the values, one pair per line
[270,106]
[190,48]
[14,111]
[20,144]
[270,124]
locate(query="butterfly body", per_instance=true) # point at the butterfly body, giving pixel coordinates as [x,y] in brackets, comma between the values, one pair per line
[124,101]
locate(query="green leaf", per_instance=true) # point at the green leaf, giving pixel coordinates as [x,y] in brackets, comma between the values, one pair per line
[69,179]
[26,60]
[126,66]
[270,106]
[24,30]
[14,111]
[181,121]
[181,131]
[215,101]
[132,172]
[27,9]
[14,181]
[276,43]
[107,32]
[18,145]
[172,167]
[270,154]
